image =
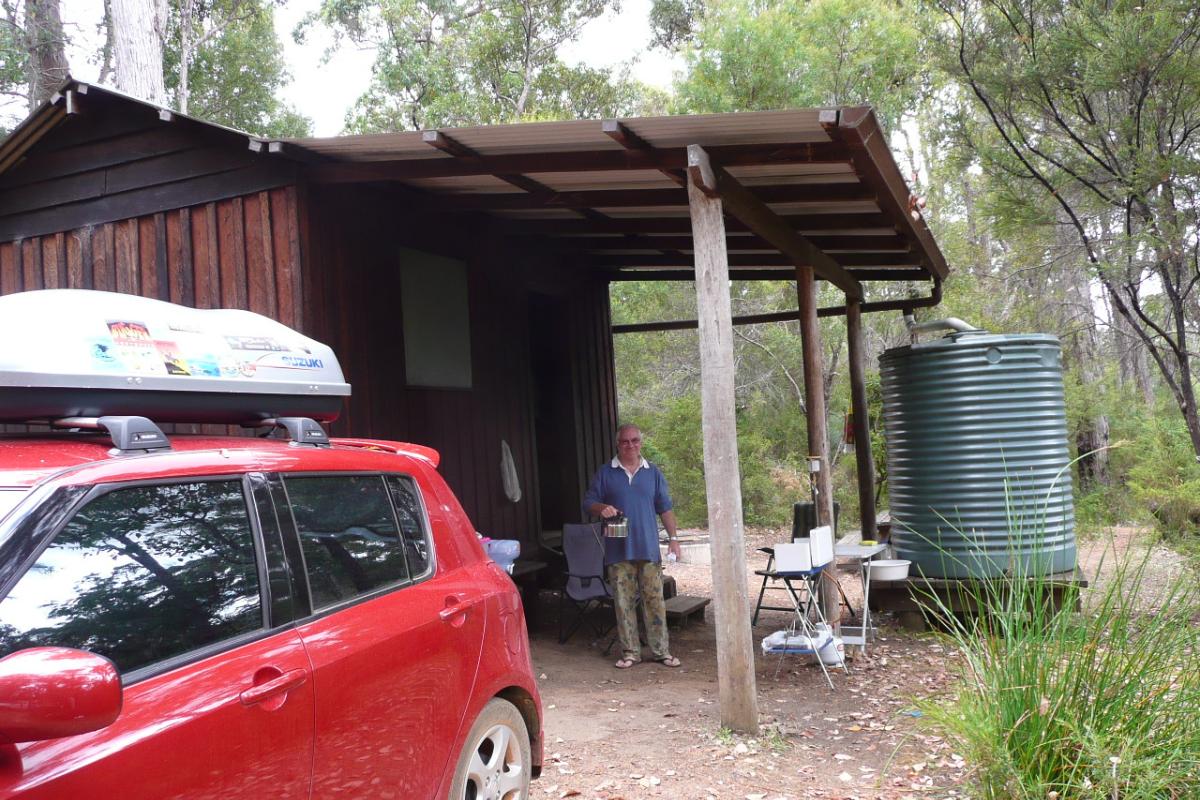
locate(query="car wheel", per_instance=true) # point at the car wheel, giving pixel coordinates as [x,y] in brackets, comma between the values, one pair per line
[495,761]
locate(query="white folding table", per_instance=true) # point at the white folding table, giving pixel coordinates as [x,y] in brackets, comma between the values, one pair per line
[860,556]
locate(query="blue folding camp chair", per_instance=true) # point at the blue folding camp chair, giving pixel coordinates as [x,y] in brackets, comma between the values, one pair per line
[585,589]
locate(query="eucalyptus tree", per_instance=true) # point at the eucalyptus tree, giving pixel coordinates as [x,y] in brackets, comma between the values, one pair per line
[225,63]
[761,54]
[1094,107]
[33,61]
[459,62]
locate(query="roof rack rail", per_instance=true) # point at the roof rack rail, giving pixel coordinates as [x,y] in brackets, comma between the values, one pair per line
[300,430]
[128,434]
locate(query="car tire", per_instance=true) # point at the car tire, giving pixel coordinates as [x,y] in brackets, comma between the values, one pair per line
[495,763]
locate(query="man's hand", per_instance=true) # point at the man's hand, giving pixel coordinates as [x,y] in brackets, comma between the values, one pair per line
[673,547]
[608,512]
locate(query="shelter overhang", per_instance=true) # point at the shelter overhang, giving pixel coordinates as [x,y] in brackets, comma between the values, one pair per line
[611,196]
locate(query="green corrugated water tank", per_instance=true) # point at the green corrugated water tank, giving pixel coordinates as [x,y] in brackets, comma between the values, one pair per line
[978,476]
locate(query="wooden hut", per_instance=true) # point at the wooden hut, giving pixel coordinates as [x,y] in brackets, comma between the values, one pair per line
[461,275]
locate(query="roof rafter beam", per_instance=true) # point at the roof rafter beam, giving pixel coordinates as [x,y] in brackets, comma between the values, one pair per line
[460,151]
[858,130]
[733,241]
[571,161]
[766,258]
[620,133]
[761,274]
[872,224]
[830,194]
[713,180]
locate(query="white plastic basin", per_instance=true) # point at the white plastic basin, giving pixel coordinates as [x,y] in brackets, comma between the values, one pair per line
[889,569]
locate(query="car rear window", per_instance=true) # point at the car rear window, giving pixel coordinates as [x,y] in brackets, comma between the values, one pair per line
[140,575]
[350,537]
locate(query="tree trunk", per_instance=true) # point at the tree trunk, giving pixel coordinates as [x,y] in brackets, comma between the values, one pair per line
[1092,438]
[186,45]
[44,39]
[138,32]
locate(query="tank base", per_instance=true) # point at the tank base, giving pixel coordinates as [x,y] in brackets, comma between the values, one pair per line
[919,602]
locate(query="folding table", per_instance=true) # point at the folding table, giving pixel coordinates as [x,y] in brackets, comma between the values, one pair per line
[860,555]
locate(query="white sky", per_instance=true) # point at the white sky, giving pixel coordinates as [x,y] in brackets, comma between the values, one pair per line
[324,91]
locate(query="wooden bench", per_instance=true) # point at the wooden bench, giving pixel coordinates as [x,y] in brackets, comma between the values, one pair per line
[681,607]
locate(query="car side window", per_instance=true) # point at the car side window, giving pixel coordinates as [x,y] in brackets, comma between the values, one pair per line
[348,534]
[142,574]
[407,501]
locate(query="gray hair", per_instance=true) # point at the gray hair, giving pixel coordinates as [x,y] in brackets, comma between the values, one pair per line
[627,426]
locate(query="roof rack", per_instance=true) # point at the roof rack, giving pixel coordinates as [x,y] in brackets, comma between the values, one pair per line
[129,434]
[300,430]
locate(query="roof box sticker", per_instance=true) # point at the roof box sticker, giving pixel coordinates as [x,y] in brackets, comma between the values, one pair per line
[74,339]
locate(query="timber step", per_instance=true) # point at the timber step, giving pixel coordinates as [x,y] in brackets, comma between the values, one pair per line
[681,607]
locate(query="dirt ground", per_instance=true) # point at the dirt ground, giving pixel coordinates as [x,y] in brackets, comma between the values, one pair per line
[652,731]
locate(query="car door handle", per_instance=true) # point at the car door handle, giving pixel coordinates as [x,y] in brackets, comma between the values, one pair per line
[456,607]
[285,682]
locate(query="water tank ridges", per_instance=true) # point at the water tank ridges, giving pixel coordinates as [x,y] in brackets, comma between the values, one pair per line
[977,454]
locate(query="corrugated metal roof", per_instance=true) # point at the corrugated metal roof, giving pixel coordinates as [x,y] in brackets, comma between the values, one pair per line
[610,180]
[825,172]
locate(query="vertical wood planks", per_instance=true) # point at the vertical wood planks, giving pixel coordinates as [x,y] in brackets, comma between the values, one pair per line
[104,270]
[10,268]
[231,244]
[79,258]
[192,256]
[125,244]
[31,265]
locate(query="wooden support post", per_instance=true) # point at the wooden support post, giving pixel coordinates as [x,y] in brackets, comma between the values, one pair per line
[818,435]
[735,646]
[862,429]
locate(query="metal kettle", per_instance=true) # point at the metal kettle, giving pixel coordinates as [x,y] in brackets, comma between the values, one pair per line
[616,527]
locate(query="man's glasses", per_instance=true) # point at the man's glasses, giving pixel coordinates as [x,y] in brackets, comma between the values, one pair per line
[629,441]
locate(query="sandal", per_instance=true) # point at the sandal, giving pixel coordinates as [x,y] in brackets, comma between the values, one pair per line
[625,663]
[669,661]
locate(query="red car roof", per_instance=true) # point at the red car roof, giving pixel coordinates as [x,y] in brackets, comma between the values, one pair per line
[27,459]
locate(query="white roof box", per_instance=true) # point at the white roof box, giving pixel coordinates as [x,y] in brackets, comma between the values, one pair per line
[79,353]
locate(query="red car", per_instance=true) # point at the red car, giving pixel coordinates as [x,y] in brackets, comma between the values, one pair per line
[224,617]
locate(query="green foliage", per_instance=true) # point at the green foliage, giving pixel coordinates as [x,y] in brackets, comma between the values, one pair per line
[237,72]
[1055,703]
[453,63]
[771,481]
[751,54]
[1082,119]
[14,57]
[673,22]
[1165,480]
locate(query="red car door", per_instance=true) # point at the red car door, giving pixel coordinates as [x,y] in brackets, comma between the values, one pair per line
[166,581]
[393,667]
[197,732]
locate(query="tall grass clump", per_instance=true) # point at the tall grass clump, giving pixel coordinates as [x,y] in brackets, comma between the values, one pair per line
[1057,701]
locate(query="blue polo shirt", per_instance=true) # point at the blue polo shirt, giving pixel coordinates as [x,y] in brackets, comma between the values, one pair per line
[640,498]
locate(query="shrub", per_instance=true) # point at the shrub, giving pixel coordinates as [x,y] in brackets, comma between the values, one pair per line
[1165,479]
[675,441]
[1103,703]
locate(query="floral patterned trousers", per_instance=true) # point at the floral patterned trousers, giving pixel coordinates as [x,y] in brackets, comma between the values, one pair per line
[626,578]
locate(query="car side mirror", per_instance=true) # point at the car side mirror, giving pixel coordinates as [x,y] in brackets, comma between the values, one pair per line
[51,692]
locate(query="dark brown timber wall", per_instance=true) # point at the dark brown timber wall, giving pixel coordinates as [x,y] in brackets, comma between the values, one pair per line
[353,291]
[236,253]
[117,160]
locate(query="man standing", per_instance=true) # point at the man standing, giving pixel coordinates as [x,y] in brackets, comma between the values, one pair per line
[631,485]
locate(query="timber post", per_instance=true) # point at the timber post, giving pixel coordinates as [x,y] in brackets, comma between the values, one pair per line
[722,476]
[864,461]
[818,435]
